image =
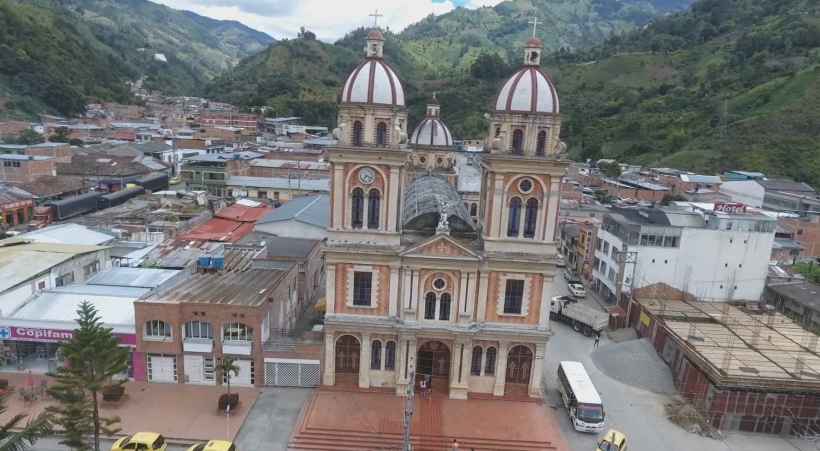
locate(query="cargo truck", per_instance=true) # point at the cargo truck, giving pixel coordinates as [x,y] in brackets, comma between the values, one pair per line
[51,212]
[583,319]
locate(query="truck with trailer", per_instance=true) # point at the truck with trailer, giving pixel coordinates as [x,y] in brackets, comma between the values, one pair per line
[59,210]
[583,319]
[118,197]
[154,182]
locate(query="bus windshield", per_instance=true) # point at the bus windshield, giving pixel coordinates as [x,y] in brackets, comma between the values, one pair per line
[590,413]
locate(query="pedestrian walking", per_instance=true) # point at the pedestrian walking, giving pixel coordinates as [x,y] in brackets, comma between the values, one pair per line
[597,339]
[455,445]
[423,387]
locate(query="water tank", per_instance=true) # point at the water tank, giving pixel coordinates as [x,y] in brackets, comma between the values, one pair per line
[218,261]
[204,260]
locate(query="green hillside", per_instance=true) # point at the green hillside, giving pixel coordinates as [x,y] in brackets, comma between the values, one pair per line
[451,42]
[56,55]
[729,84]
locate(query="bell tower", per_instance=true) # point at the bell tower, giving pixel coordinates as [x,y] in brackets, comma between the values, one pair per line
[523,166]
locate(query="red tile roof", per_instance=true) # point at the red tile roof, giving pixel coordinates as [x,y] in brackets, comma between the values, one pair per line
[126,134]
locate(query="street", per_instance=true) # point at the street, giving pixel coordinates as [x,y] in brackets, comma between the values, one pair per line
[52,444]
[635,385]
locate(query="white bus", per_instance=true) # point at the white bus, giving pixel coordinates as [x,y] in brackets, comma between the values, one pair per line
[580,397]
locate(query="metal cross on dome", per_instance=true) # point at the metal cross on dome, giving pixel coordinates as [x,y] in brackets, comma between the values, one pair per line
[535,23]
[375,17]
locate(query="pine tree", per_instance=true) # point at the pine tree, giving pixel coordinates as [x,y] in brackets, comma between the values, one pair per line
[94,359]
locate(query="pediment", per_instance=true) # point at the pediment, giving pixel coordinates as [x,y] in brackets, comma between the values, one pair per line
[441,245]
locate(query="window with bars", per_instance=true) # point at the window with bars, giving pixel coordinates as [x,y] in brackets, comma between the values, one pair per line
[390,356]
[91,268]
[357,208]
[373,203]
[64,280]
[530,216]
[540,148]
[357,133]
[514,297]
[376,355]
[362,286]
[517,141]
[489,365]
[381,134]
[475,365]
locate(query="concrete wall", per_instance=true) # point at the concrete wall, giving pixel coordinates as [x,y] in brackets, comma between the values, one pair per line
[747,192]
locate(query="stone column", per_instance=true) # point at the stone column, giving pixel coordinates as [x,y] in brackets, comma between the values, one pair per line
[338,195]
[366,209]
[474,281]
[407,345]
[546,290]
[499,229]
[394,292]
[483,296]
[393,201]
[330,359]
[364,361]
[460,315]
[330,289]
[537,367]
[459,361]
[405,288]
[552,208]
[501,368]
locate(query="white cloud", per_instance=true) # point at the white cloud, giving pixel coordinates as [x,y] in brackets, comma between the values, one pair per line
[329,19]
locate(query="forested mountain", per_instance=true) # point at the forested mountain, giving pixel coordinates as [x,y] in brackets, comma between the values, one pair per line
[56,55]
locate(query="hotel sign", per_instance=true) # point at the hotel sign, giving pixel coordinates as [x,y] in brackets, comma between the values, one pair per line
[588,245]
[730,208]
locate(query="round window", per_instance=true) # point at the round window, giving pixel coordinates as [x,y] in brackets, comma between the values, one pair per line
[439,284]
[439,160]
[525,185]
[422,160]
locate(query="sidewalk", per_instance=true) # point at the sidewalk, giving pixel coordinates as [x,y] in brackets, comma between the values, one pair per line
[180,412]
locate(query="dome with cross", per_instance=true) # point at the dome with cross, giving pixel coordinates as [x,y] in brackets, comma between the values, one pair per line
[373,81]
[431,131]
[528,90]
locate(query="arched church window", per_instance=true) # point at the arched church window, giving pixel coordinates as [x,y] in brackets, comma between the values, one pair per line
[381,134]
[357,133]
[444,307]
[540,149]
[518,141]
[430,306]
[357,208]
[373,203]
[530,215]
[513,223]
[474,209]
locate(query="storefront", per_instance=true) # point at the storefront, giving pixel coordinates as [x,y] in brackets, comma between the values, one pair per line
[36,349]
[16,213]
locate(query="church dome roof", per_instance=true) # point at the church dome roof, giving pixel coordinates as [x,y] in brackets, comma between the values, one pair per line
[373,81]
[532,42]
[375,34]
[431,131]
[429,196]
[528,91]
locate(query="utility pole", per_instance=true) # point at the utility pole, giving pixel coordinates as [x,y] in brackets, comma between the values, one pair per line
[408,409]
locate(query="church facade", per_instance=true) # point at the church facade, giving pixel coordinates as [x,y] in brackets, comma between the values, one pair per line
[414,280]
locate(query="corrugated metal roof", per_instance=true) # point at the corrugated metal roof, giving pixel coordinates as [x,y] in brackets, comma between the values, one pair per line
[291,164]
[780,243]
[218,229]
[233,288]
[132,277]
[313,210]
[178,253]
[695,178]
[68,233]
[243,213]
[62,305]
[21,262]
[319,185]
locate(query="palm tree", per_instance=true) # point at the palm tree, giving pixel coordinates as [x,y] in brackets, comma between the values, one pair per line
[224,369]
[23,439]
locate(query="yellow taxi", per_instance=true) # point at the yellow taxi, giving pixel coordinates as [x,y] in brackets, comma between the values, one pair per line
[612,441]
[214,445]
[141,441]
[174,181]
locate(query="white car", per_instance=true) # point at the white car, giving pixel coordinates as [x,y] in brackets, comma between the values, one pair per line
[577,290]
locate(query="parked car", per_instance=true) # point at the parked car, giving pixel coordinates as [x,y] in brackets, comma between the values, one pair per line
[577,290]
[174,181]
[612,441]
[141,441]
[572,276]
[562,262]
[214,445]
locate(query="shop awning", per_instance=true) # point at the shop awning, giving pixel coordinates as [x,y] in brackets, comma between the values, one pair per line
[321,305]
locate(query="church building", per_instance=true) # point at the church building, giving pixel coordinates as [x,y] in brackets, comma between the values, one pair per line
[414,280]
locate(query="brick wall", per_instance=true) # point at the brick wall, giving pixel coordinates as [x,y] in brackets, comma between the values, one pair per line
[60,154]
[28,171]
[494,298]
[805,232]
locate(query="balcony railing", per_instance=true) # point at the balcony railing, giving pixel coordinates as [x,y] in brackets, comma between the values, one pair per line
[198,344]
[237,347]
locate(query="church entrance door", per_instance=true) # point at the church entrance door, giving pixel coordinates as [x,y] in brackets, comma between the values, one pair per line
[434,361]
[519,369]
[348,354]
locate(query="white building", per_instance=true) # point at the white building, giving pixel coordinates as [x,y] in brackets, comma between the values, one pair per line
[713,255]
